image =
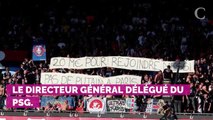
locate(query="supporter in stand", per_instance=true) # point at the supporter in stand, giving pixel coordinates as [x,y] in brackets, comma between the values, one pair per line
[191,97]
[2,96]
[7,74]
[168,75]
[1,75]
[49,107]
[65,106]
[210,110]
[159,78]
[80,106]
[177,101]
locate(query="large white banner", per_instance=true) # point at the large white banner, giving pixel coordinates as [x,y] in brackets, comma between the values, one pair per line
[130,63]
[71,78]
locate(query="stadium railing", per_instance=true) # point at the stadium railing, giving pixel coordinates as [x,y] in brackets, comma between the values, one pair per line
[141,115]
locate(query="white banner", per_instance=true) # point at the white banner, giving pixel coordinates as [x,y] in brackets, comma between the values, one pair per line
[130,63]
[71,78]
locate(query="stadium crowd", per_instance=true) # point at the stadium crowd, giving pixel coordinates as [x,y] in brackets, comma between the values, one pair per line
[129,28]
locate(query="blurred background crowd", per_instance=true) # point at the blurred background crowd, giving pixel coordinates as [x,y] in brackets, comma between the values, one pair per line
[153,29]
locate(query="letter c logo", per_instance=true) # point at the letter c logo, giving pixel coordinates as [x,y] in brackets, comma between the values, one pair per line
[196,13]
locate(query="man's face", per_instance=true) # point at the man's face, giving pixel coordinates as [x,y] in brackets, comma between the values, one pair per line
[25,72]
[191,84]
[205,96]
[146,77]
